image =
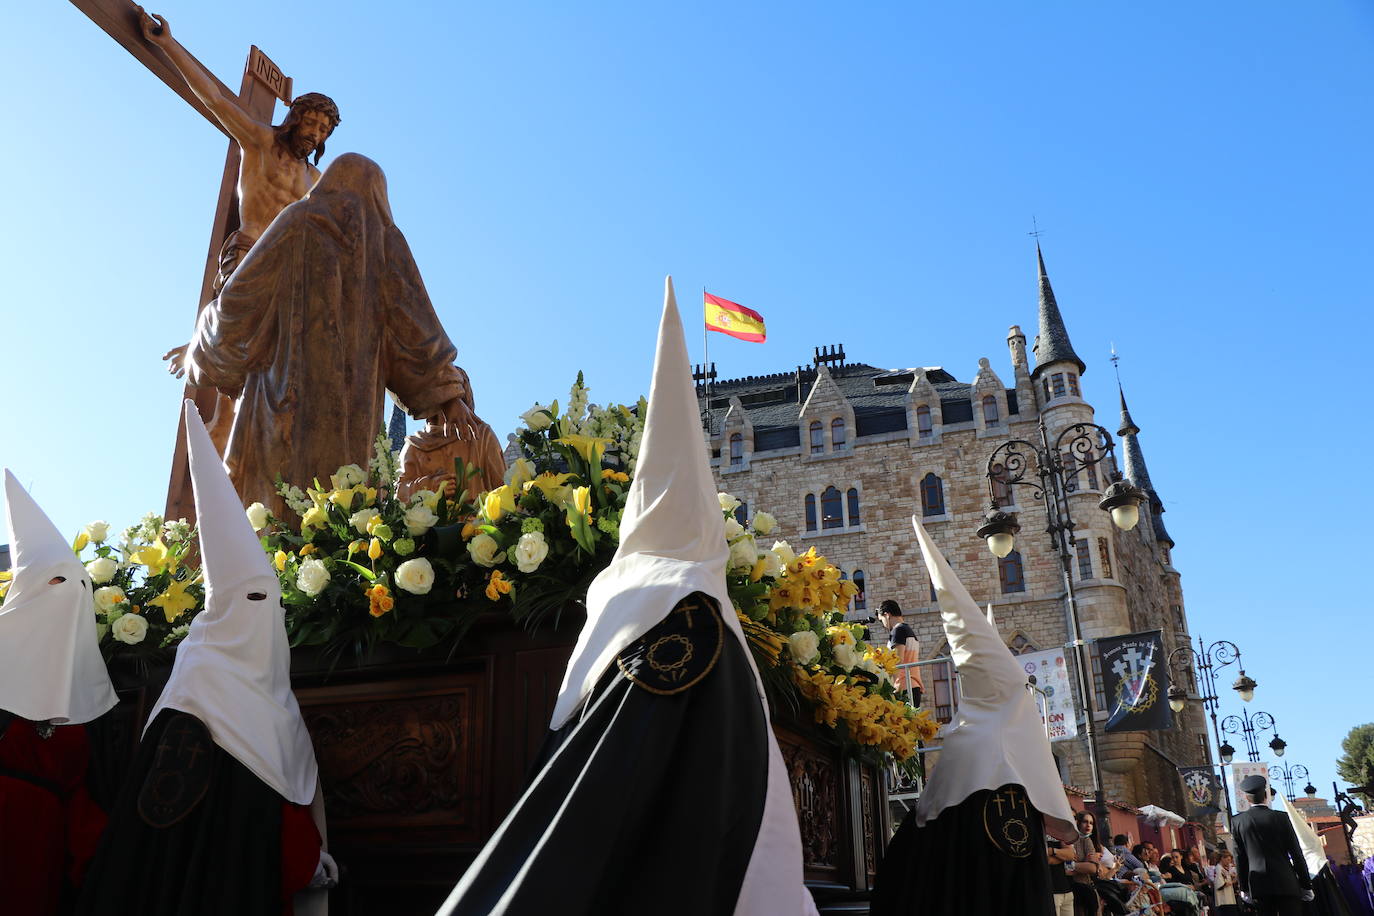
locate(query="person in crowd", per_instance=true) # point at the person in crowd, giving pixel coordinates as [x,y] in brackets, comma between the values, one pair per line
[1060,856]
[1224,885]
[1127,863]
[1176,889]
[1192,865]
[901,637]
[1088,866]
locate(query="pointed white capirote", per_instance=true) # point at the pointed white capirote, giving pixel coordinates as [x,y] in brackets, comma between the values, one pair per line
[997,737]
[672,543]
[233,669]
[50,664]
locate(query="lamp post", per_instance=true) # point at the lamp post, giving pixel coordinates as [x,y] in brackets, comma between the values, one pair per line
[1057,466]
[1248,727]
[1291,773]
[1202,665]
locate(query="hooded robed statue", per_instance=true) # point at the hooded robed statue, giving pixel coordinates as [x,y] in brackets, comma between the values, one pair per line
[221,813]
[53,684]
[662,790]
[325,314]
[974,843]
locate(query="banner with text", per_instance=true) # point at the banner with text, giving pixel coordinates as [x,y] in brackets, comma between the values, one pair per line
[1202,789]
[1239,771]
[1055,697]
[1136,681]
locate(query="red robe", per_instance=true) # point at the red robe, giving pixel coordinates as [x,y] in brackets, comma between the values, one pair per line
[49,824]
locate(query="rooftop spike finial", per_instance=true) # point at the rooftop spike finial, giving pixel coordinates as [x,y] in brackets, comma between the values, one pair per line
[1052,345]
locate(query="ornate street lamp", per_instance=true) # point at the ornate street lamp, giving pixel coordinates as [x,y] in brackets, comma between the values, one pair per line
[1057,467]
[1200,667]
[1289,774]
[1249,727]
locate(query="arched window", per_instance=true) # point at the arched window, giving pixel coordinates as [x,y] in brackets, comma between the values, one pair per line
[1083,552]
[944,687]
[1020,645]
[924,428]
[1001,489]
[1057,384]
[853,507]
[810,511]
[1070,473]
[860,598]
[736,449]
[837,440]
[1073,384]
[932,495]
[990,415]
[1010,574]
[742,512]
[832,513]
[817,437]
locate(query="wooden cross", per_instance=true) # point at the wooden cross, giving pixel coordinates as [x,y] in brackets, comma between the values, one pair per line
[263,83]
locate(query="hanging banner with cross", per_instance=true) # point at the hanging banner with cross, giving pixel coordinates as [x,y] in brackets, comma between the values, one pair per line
[1136,682]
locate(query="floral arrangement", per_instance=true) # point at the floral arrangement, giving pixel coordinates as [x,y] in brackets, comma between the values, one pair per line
[792,609]
[145,592]
[364,566]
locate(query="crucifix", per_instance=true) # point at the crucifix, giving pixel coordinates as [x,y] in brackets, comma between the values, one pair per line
[265,169]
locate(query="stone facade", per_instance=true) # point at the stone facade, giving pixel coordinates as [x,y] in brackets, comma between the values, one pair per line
[855,446]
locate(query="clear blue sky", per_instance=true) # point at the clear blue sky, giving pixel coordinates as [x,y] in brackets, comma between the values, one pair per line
[863,174]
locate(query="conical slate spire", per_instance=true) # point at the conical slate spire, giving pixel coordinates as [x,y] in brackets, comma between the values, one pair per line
[1135,471]
[1052,345]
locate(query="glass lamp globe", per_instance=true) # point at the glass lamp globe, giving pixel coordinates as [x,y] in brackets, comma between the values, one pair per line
[1001,544]
[1126,517]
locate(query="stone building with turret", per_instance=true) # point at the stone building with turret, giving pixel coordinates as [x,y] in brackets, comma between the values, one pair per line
[843,453]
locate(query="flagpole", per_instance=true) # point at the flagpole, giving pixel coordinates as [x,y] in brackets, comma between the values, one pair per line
[706,353]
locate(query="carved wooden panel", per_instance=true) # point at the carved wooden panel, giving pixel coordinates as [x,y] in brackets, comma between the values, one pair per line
[400,754]
[868,803]
[814,779]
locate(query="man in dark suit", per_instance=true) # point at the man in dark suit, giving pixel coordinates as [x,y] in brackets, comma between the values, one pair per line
[1272,870]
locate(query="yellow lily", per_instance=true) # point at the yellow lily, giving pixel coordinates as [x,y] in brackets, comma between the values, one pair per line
[591,448]
[374,550]
[156,557]
[498,502]
[279,561]
[175,601]
[315,517]
[79,544]
[582,500]
[553,486]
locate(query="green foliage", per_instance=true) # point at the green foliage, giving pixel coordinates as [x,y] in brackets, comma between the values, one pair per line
[1356,764]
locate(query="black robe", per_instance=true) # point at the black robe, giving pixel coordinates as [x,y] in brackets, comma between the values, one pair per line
[982,857]
[651,803]
[194,831]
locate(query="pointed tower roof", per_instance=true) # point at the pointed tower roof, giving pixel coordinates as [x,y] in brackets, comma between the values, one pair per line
[1052,346]
[1134,469]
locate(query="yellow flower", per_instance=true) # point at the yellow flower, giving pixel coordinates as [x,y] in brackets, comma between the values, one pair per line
[175,601]
[373,522]
[355,546]
[279,561]
[553,486]
[469,531]
[314,517]
[498,502]
[617,476]
[497,586]
[582,500]
[342,498]
[156,557]
[379,600]
[80,543]
[374,550]
[591,448]
[307,550]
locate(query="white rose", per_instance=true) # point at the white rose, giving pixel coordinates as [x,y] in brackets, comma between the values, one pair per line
[805,646]
[415,576]
[483,550]
[519,473]
[419,519]
[312,577]
[427,498]
[108,597]
[785,552]
[743,554]
[772,564]
[535,418]
[130,629]
[257,516]
[869,665]
[845,656]
[733,529]
[360,519]
[98,531]
[727,502]
[530,551]
[764,523]
[350,475]
[102,569]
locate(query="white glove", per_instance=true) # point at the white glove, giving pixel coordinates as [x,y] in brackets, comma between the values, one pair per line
[326,873]
[1246,898]
[1308,896]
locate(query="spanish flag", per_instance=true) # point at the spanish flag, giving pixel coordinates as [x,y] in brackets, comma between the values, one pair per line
[734,319]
